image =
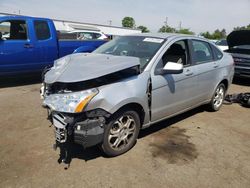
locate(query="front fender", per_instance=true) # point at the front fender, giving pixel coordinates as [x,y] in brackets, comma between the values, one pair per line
[114,96]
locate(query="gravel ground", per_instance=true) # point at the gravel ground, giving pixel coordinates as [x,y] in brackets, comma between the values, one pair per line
[195,149]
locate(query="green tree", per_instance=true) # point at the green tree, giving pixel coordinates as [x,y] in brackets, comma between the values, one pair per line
[143,29]
[242,28]
[185,31]
[167,29]
[206,35]
[239,28]
[128,22]
[217,34]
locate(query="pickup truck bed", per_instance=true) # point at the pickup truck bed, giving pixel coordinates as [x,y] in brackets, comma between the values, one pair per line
[70,46]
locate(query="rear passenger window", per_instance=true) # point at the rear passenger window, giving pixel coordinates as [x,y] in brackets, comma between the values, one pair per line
[202,51]
[42,30]
[217,53]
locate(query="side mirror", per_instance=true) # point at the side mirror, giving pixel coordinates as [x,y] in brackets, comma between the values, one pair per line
[171,68]
[1,35]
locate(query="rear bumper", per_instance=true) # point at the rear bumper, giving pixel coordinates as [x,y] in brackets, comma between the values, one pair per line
[77,129]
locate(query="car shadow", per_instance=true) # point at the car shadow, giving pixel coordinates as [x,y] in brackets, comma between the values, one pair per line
[78,152]
[166,123]
[73,151]
[241,81]
[20,80]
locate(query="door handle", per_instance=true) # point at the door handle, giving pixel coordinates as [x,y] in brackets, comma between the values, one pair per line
[215,66]
[27,45]
[188,73]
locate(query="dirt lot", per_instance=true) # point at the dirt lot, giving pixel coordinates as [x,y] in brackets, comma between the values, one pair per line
[195,149]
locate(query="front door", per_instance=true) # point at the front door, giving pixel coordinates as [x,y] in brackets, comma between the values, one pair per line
[172,93]
[17,53]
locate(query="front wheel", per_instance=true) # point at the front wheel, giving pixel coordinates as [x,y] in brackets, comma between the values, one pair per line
[121,133]
[218,97]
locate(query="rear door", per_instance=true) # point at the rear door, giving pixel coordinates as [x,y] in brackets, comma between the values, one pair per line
[173,93]
[207,68]
[46,42]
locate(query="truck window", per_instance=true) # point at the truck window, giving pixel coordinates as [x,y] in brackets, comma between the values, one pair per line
[96,35]
[42,30]
[87,36]
[14,30]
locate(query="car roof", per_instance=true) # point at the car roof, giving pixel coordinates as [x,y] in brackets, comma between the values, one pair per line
[21,17]
[78,31]
[162,35]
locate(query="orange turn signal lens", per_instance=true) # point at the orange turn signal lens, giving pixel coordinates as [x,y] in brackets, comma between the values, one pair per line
[83,103]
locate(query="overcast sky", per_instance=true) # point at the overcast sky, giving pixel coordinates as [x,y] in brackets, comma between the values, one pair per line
[198,15]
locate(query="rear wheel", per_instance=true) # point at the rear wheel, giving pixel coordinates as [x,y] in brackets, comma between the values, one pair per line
[218,97]
[121,132]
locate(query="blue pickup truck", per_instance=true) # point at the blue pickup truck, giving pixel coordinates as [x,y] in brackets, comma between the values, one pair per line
[29,44]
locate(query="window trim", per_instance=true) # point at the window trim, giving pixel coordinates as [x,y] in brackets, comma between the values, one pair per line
[188,58]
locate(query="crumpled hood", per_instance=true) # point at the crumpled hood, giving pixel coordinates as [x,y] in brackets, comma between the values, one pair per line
[82,67]
[237,38]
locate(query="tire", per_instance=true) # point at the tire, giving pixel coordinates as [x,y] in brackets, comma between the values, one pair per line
[121,132]
[218,98]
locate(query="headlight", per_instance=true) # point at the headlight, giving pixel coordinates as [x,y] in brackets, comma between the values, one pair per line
[73,102]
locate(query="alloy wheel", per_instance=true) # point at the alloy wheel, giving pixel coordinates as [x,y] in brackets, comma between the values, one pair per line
[122,132]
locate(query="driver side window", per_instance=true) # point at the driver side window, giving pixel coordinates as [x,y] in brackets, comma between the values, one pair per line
[14,30]
[176,53]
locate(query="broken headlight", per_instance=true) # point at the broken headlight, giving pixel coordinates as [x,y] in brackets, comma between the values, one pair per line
[73,102]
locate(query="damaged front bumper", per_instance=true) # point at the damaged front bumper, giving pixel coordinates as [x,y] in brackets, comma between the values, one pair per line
[85,129]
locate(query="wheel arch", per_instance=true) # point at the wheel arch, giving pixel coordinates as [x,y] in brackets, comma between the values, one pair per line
[137,108]
[225,82]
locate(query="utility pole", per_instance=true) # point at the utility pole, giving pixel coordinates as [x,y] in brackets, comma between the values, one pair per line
[110,22]
[180,25]
[166,21]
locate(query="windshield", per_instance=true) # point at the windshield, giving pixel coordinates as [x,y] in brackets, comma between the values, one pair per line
[136,46]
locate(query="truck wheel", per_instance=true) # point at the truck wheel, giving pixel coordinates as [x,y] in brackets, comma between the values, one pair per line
[218,98]
[121,133]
